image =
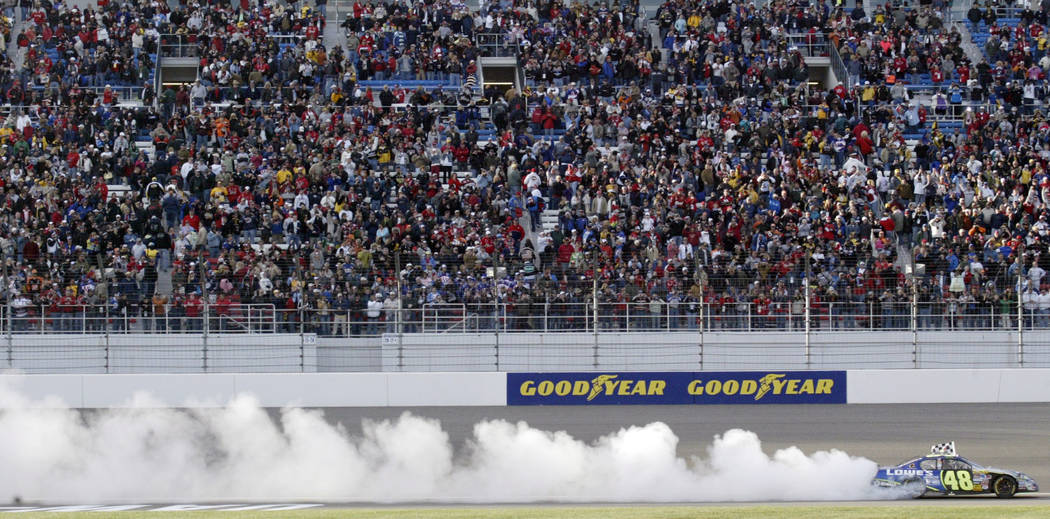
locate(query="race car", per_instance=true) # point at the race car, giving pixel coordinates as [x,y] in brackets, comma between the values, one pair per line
[943,472]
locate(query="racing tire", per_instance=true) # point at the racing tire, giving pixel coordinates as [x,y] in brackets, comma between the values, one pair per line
[914,488]
[1004,487]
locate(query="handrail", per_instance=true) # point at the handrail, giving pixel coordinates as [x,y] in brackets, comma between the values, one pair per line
[124,92]
[499,42]
[438,319]
[809,44]
[554,317]
[839,68]
[462,323]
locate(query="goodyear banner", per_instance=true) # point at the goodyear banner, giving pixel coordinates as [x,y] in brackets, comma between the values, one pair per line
[656,388]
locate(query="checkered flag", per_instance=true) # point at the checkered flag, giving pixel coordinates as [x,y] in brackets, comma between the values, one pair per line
[943,449]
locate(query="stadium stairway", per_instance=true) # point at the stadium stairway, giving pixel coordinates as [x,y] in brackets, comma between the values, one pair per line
[979,31]
[973,53]
[333,35]
[549,220]
[17,26]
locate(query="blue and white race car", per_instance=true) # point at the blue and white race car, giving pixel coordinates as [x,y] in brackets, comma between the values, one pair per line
[944,472]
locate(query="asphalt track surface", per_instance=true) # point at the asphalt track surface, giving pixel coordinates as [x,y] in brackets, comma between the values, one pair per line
[1011,436]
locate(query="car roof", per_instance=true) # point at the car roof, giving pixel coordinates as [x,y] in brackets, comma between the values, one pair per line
[946,457]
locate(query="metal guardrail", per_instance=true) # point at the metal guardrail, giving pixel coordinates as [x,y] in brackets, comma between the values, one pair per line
[518,317]
[811,45]
[496,44]
[516,336]
[121,93]
[105,319]
[839,68]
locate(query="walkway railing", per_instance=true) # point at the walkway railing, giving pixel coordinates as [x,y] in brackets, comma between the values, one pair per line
[839,68]
[811,45]
[496,44]
[166,318]
[543,316]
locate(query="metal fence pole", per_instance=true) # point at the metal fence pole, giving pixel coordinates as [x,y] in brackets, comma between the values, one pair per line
[204,336]
[207,313]
[1020,320]
[701,326]
[497,332]
[105,325]
[808,301]
[10,338]
[914,325]
[594,302]
[302,339]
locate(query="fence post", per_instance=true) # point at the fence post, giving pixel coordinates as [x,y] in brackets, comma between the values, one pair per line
[808,300]
[701,327]
[302,338]
[594,303]
[105,325]
[497,334]
[10,338]
[1020,320]
[204,336]
[914,325]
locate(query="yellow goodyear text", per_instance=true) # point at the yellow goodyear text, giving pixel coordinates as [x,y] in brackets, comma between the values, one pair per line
[608,385]
[772,383]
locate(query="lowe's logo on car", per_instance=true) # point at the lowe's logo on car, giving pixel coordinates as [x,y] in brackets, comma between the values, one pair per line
[736,387]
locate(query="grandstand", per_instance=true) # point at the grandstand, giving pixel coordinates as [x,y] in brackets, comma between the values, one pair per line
[360,169]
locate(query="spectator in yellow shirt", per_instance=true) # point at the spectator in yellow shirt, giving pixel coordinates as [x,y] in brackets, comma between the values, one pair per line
[219,193]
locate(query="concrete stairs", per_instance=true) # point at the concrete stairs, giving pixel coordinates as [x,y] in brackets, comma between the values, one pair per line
[334,35]
[549,220]
[974,54]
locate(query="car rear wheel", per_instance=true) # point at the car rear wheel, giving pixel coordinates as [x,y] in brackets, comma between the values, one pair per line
[914,488]
[1005,486]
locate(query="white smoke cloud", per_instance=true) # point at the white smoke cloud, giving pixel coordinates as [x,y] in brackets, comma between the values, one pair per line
[50,453]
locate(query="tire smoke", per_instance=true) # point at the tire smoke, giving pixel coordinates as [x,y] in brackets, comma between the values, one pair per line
[146,453]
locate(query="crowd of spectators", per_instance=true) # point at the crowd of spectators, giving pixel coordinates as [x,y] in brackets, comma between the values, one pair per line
[716,188]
